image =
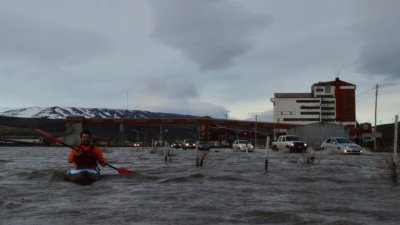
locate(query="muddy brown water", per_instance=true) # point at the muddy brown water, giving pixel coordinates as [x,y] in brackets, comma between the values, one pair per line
[230,188]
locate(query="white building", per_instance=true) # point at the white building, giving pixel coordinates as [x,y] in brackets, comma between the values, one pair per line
[332,101]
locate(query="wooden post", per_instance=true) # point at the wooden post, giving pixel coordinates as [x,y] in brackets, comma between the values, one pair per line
[197,156]
[255,135]
[166,152]
[376,106]
[395,160]
[266,153]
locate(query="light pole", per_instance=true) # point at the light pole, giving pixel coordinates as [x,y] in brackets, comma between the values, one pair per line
[144,131]
[255,135]
[256,128]
[376,107]
[226,118]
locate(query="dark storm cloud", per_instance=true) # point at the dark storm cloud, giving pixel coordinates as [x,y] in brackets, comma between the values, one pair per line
[45,42]
[378,26]
[211,33]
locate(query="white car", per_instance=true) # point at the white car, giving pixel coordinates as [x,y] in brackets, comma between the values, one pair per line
[342,145]
[242,145]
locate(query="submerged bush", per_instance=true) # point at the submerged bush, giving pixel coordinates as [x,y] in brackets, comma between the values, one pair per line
[388,167]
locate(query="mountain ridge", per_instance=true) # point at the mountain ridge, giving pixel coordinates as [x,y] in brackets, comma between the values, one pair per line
[57,112]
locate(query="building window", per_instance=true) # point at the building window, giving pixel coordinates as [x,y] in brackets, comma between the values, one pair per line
[327,89]
[309,107]
[309,113]
[328,108]
[324,96]
[307,101]
[300,119]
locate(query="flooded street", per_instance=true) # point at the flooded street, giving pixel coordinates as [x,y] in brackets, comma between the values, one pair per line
[231,188]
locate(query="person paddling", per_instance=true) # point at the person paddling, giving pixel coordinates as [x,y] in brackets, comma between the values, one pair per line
[88,156]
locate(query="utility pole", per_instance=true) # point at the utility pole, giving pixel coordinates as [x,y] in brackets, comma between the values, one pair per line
[376,106]
[255,134]
[266,153]
[395,160]
[396,134]
[226,118]
[237,133]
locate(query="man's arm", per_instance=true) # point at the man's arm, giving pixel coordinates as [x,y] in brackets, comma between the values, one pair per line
[71,156]
[100,156]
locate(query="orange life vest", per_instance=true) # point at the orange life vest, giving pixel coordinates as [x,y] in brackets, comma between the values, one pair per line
[86,160]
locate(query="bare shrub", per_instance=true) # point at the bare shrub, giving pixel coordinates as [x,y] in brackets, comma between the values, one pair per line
[201,155]
[388,168]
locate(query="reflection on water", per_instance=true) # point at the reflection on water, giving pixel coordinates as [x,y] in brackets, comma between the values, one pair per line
[231,188]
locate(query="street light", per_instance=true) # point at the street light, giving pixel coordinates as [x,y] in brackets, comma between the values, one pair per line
[256,124]
[145,135]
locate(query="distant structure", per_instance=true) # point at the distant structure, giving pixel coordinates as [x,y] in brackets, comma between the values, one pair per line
[117,132]
[332,102]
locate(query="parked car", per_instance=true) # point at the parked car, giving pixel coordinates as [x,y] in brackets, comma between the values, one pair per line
[342,145]
[242,145]
[203,145]
[136,144]
[176,144]
[188,143]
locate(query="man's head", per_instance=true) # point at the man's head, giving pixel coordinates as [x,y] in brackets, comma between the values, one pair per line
[85,137]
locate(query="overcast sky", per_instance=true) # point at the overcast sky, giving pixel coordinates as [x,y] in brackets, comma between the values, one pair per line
[198,57]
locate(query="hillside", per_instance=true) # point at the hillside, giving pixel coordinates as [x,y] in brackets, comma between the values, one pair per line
[21,122]
[56,112]
[14,126]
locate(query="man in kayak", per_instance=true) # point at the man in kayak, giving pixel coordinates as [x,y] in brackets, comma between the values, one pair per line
[88,155]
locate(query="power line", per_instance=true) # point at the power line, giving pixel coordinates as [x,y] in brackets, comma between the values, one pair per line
[366,92]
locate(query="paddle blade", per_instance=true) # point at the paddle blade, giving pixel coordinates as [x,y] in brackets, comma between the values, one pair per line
[125,171]
[122,170]
[49,136]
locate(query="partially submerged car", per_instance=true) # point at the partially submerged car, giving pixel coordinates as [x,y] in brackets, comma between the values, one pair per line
[342,145]
[176,144]
[188,143]
[242,145]
[203,145]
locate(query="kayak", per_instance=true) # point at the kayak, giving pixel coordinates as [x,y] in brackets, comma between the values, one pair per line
[82,176]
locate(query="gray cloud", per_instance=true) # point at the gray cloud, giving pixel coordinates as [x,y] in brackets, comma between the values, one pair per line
[45,42]
[261,116]
[206,109]
[200,57]
[378,28]
[163,93]
[168,87]
[211,33]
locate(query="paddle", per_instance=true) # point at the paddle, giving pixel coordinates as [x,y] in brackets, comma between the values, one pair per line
[120,170]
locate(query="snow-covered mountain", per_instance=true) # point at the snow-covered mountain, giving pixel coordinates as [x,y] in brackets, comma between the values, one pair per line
[62,112]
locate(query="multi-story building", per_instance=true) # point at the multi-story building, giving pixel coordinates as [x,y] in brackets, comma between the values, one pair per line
[332,101]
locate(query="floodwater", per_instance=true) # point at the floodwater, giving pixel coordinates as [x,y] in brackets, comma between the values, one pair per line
[230,188]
